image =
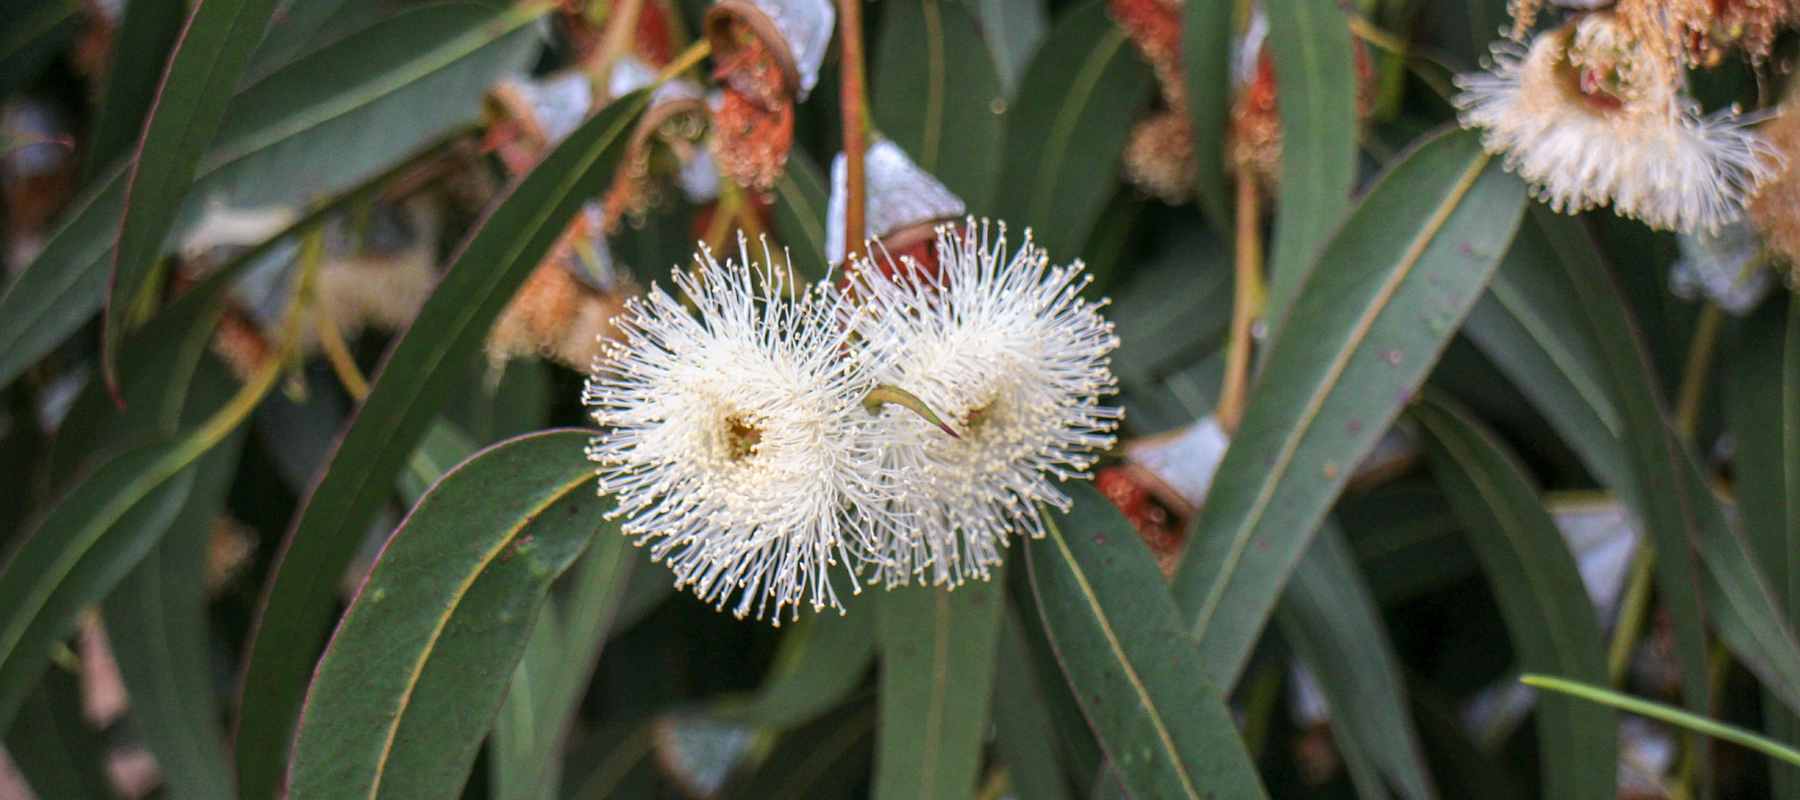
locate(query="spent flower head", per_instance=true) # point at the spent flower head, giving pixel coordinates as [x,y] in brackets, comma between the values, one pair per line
[1590,114]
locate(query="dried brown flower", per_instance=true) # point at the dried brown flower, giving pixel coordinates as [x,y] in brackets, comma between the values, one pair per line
[753,128]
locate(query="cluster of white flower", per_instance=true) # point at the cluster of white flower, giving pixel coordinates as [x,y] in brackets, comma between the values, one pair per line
[899,424]
[1590,114]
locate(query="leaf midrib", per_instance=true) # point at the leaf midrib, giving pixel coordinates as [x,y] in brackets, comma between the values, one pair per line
[437,631]
[1153,713]
[338,106]
[1068,113]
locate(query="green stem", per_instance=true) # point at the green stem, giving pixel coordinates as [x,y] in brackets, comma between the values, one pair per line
[1669,714]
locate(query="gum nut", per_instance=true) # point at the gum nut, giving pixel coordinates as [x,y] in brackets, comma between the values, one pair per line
[803,26]
[900,195]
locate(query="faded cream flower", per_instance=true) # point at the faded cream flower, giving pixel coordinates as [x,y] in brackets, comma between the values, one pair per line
[1015,361]
[735,443]
[1590,115]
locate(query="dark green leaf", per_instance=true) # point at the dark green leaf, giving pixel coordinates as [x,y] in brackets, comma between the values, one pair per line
[1529,325]
[190,103]
[34,31]
[78,552]
[140,51]
[1024,728]
[157,626]
[551,679]
[296,24]
[310,128]
[1539,589]
[1141,684]
[822,661]
[937,96]
[57,752]
[1066,129]
[424,366]
[937,676]
[820,760]
[1206,44]
[1763,406]
[1330,618]
[347,111]
[416,672]
[63,285]
[1315,72]
[1403,271]
[1657,491]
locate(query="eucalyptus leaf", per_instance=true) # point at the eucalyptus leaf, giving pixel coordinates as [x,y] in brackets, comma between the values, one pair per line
[937,670]
[1066,129]
[1119,638]
[417,670]
[1540,592]
[425,364]
[936,94]
[1407,266]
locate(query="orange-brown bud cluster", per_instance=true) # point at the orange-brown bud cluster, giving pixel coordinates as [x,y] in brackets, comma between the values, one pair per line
[753,128]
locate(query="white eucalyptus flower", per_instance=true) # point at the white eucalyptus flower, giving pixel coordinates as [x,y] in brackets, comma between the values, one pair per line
[1587,116]
[1010,356]
[735,443]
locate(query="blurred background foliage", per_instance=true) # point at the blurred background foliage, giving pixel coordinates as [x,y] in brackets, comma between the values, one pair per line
[276,268]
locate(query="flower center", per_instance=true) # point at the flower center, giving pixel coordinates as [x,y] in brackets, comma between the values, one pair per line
[741,438]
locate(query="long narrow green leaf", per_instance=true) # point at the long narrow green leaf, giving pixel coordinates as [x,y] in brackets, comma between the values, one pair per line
[417,670]
[1663,500]
[79,551]
[1529,325]
[1315,73]
[58,753]
[140,52]
[421,368]
[66,282]
[936,93]
[323,123]
[157,625]
[1066,128]
[345,112]
[551,680]
[1024,729]
[1206,42]
[1406,267]
[1142,686]
[937,676]
[824,659]
[190,103]
[1329,616]
[1763,408]
[1539,589]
